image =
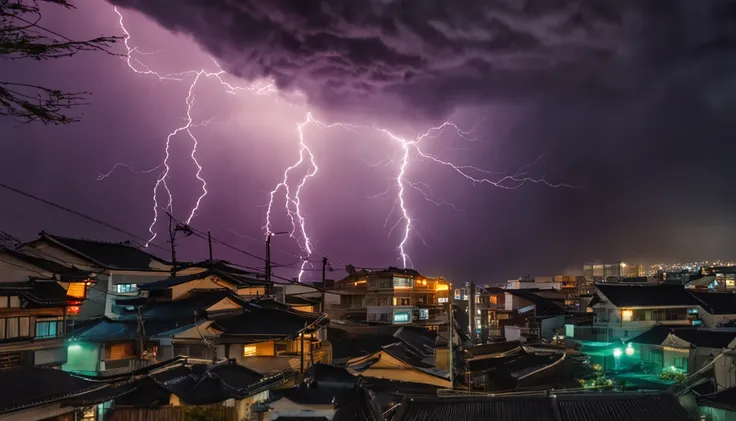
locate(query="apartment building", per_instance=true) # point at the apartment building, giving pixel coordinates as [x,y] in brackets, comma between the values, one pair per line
[392,296]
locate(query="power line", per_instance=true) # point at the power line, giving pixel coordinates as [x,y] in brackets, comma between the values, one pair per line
[77,213]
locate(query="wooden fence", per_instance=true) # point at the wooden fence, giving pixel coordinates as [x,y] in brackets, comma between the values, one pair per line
[174,413]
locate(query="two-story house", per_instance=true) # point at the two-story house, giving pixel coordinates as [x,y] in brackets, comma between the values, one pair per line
[624,311]
[36,298]
[394,296]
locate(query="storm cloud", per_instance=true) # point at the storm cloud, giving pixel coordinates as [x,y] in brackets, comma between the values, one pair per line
[424,57]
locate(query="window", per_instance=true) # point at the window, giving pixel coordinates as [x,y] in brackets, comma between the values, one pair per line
[46,329]
[3,302]
[384,284]
[493,299]
[681,363]
[402,301]
[126,288]
[11,328]
[249,351]
[24,327]
[423,314]
[627,315]
[119,351]
[402,282]
[402,317]
[14,302]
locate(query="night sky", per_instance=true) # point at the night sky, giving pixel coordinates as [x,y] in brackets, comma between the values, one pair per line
[631,103]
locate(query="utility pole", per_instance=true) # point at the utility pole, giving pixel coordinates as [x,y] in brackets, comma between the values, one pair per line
[172,235]
[450,321]
[472,311]
[322,301]
[268,257]
[209,242]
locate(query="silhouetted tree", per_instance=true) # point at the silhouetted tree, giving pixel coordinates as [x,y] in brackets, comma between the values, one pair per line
[22,37]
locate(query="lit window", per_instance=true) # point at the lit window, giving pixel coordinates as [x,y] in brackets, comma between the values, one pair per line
[627,315]
[46,329]
[126,288]
[14,301]
[72,310]
[402,282]
[249,351]
[402,317]
[77,290]
[494,299]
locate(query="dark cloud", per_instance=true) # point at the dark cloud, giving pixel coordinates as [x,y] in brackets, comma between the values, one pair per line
[427,56]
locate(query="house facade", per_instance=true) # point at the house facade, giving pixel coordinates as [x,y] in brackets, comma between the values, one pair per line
[37,296]
[393,296]
[624,311]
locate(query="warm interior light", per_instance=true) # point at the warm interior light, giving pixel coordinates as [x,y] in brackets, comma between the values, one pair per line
[77,290]
[627,315]
[442,287]
[72,310]
[629,350]
[249,351]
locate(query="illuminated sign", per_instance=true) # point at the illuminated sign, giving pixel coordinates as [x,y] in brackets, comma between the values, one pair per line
[443,300]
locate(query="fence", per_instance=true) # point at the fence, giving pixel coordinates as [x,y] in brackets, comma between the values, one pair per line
[174,413]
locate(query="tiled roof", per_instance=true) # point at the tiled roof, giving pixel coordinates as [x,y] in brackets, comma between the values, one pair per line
[329,373]
[418,339]
[706,338]
[544,306]
[110,255]
[654,336]
[178,280]
[260,321]
[725,399]
[647,296]
[543,407]
[357,341]
[107,330]
[620,407]
[493,348]
[717,302]
[39,293]
[56,268]
[25,387]
[401,352]
[699,337]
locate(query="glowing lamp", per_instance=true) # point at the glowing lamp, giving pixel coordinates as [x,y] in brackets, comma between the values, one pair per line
[629,350]
[72,310]
[617,352]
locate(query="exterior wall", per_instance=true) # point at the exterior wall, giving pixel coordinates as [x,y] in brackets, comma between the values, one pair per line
[713,320]
[723,367]
[715,414]
[14,270]
[551,325]
[120,277]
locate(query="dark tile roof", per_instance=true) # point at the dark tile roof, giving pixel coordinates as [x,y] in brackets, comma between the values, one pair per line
[201,384]
[724,399]
[299,300]
[26,387]
[178,280]
[706,338]
[493,348]
[419,339]
[647,296]
[110,255]
[620,407]
[312,395]
[546,407]
[535,408]
[401,352]
[64,272]
[183,308]
[654,336]
[39,293]
[699,337]
[107,330]
[358,341]
[258,321]
[329,373]
[717,302]
[544,306]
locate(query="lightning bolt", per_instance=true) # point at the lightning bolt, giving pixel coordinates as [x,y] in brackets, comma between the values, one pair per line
[136,65]
[293,184]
